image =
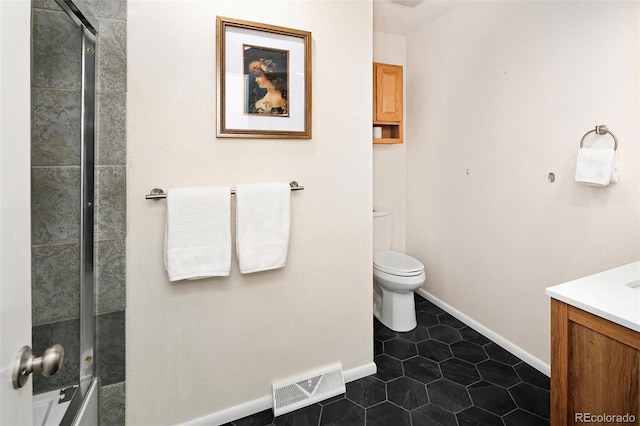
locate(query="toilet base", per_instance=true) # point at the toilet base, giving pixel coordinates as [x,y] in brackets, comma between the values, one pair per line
[395,310]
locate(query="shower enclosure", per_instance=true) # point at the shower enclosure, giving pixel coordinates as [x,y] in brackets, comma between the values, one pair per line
[62,209]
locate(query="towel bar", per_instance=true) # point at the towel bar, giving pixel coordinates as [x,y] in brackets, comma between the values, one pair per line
[157,193]
[601,130]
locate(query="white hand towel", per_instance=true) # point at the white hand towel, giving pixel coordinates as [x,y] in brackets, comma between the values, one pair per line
[263,214]
[198,232]
[615,175]
[596,166]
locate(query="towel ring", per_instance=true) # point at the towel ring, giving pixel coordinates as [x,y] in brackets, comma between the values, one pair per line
[601,130]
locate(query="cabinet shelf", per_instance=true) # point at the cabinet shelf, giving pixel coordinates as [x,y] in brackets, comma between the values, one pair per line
[391,133]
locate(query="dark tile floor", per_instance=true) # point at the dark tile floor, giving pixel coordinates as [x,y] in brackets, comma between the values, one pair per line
[441,373]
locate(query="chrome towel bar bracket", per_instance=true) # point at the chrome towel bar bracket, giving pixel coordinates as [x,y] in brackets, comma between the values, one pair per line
[601,130]
[157,193]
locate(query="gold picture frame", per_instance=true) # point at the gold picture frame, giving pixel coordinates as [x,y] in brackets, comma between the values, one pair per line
[263,80]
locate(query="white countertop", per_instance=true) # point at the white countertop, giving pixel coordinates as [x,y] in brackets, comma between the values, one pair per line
[609,294]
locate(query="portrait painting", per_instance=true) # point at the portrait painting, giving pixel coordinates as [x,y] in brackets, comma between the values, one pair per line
[263,80]
[267,80]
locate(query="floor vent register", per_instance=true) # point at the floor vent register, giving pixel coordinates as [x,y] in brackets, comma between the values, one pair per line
[299,392]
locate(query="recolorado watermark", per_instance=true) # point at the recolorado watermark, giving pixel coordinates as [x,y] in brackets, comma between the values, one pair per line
[604,418]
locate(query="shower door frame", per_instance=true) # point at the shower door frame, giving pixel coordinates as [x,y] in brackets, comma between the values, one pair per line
[88,24]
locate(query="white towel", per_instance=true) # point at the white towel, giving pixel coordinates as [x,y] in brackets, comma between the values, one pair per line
[615,175]
[597,167]
[263,214]
[198,232]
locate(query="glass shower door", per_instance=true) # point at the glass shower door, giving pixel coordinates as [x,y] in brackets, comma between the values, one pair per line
[62,197]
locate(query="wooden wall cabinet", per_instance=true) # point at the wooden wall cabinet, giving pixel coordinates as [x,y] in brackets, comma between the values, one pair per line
[595,369]
[387,102]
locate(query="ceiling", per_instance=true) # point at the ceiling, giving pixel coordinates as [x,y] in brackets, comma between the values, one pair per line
[401,20]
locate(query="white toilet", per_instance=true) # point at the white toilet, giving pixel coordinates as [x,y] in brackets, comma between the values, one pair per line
[395,277]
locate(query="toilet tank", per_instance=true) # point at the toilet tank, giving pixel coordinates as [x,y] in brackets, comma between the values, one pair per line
[382,229]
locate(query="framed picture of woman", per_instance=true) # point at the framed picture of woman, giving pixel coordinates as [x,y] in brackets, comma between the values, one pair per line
[268,80]
[263,80]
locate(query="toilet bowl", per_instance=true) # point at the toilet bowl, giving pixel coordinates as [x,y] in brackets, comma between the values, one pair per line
[395,277]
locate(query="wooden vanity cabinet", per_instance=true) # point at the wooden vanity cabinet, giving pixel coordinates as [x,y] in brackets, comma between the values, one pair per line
[387,102]
[595,369]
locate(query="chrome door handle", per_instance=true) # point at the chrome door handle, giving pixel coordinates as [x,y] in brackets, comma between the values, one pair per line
[26,363]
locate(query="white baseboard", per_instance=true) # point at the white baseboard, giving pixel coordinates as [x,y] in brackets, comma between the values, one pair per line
[506,344]
[233,413]
[360,372]
[266,402]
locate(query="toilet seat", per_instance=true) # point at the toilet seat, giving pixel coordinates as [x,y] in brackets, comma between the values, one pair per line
[399,264]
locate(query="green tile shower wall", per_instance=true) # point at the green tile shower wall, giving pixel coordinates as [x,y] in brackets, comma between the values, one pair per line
[112,405]
[66,334]
[56,62]
[55,119]
[55,282]
[55,195]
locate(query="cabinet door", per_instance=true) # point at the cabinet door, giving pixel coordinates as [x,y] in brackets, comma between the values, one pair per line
[595,369]
[603,376]
[388,93]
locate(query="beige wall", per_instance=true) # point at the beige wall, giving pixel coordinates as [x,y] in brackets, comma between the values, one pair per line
[198,347]
[389,177]
[505,91]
